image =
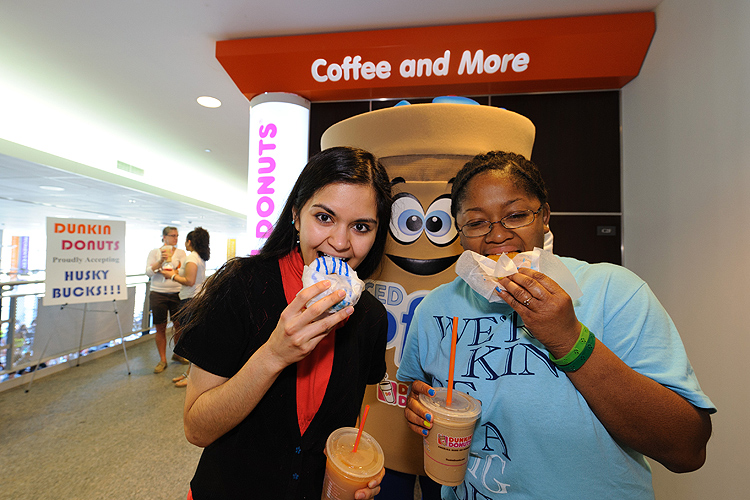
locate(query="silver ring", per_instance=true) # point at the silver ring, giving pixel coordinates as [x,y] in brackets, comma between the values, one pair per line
[526,302]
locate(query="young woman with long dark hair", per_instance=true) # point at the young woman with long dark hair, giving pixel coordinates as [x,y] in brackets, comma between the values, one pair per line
[271,378]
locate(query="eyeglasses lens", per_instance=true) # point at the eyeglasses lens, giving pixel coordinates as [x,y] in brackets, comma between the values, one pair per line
[512,221]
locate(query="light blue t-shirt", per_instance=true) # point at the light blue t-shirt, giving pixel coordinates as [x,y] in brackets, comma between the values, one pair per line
[537,437]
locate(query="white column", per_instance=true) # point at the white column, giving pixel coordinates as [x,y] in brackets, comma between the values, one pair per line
[279,136]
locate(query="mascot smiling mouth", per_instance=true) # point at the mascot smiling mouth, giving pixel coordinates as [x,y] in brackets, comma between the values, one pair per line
[423,267]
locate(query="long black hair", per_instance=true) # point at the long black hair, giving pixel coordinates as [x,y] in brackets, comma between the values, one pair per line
[199,240]
[524,173]
[334,165]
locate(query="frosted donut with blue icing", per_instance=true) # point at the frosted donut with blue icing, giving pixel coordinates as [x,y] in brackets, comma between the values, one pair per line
[341,276]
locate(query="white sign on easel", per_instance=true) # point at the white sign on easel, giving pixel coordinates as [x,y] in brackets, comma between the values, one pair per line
[85,261]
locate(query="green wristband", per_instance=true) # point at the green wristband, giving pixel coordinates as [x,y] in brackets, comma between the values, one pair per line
[582,358]
[577,349]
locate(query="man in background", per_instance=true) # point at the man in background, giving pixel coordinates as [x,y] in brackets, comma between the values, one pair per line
[165,294]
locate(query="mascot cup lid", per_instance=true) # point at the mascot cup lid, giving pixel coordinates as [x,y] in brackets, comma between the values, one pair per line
[400,135]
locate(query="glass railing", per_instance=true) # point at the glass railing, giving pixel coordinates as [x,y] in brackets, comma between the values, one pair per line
[20,302]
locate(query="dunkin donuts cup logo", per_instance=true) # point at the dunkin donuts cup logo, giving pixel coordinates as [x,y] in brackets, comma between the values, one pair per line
[454,443]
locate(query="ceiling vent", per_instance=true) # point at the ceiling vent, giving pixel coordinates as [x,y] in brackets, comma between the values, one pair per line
[129,168]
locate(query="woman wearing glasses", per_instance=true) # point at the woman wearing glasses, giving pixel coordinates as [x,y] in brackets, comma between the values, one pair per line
[574,392]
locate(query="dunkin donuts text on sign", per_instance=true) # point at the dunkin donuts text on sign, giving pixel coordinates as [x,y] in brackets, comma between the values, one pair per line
[351,68]
[265,205]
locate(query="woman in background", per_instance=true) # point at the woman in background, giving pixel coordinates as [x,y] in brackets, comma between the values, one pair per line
[191,276]
[164,298]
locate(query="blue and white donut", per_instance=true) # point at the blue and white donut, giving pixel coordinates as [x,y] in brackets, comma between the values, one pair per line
[341,276]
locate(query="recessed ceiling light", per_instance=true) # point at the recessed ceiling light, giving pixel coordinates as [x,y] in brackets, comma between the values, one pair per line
[52,188]
[132,201]
[209,102]
[207,150]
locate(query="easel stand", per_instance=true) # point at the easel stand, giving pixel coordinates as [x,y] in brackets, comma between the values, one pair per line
[80,342]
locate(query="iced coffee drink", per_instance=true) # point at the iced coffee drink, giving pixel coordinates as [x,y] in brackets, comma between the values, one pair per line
[169,249]
[348,471]
[446,448]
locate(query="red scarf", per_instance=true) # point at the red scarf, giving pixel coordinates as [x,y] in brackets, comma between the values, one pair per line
[314,371]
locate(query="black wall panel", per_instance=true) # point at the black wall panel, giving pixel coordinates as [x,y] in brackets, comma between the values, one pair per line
[577,146]
[325,114]
[593,238]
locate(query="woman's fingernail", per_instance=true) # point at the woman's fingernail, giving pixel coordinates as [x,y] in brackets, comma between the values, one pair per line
[349,310]
[428,417]
[431,392]
[424,432]
[427,424]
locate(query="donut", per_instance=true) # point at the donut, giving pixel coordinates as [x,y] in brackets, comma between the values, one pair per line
[509,254]
[341,276]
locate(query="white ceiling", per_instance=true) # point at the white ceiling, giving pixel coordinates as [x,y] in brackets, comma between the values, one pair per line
[139,65]
[24,204]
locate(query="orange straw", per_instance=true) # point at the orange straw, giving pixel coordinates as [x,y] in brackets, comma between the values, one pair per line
[454,338]
[361,425]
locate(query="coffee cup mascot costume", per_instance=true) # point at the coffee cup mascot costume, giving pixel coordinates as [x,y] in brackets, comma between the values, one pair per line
[422,146]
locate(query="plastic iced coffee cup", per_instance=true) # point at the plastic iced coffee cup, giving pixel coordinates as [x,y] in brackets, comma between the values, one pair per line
[170,252]
[347,472]
[446,448]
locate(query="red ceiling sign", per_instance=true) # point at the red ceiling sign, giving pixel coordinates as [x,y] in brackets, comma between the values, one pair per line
[547,55]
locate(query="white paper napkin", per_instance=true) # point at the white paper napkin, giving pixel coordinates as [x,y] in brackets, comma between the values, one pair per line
[482,273]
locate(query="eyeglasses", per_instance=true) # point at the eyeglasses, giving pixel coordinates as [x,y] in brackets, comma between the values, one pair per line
[172,235]
[515,220]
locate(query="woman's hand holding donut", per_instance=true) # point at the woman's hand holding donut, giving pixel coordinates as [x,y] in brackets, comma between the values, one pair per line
[416,414]
[299,330]
[546,309]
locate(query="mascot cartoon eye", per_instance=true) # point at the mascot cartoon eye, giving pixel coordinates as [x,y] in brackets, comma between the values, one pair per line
[439,224]
[407,219]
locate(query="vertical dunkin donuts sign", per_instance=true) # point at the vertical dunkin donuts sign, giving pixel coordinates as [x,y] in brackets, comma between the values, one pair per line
[279,125]
[85,261]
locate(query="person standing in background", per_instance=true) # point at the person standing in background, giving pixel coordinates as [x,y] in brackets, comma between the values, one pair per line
[164,297]
[191,276]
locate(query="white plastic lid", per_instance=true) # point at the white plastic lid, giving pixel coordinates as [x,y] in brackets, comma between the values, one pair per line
[365,463]
[463,408]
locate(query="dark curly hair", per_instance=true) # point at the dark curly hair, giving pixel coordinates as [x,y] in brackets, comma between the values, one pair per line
[199,240]
[523,172]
